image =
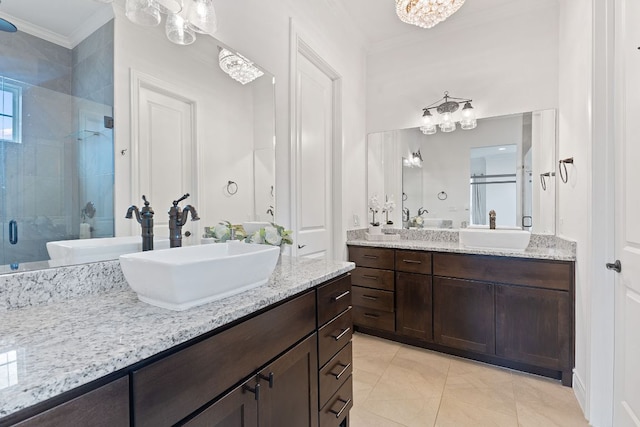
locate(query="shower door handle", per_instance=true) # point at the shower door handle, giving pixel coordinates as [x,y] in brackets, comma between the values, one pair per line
[13,232]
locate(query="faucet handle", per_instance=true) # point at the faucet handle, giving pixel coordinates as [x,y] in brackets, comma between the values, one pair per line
[146,202]
[175,202]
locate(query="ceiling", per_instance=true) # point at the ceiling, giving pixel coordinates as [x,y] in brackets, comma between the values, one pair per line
[48,20]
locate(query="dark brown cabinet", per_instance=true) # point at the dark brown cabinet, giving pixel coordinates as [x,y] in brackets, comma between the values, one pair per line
[238,408]
[463,314]
[514,312]
[105,406]
[414,305]
[545,317]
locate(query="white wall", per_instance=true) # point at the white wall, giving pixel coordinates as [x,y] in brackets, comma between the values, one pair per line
[508,64]
[261,31]
[584,209]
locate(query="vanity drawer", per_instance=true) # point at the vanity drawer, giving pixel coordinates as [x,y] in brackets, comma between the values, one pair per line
[373,278]
[375,319]
[334,335]
[518,271]
[413,261]
[333,298]
[371,257]
[373,298]
[335,411]
[335,373]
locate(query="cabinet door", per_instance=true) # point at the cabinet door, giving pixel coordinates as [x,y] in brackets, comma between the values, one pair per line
[289,388]
[533,326]
[463,314]
[239,408]
[105,406]
[413,305]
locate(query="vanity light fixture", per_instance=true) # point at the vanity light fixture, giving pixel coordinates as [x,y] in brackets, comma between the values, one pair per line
[414,161]
[446,106]
[185,18]
[426,13]
[238,67]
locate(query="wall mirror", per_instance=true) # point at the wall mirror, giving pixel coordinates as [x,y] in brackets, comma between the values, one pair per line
[58,155]
[449,180]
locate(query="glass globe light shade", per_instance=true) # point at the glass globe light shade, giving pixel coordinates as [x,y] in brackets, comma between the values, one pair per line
[447,125]
[178,30]
[202,16]
[143,12]
[468,117]
[169,6]
[428,130]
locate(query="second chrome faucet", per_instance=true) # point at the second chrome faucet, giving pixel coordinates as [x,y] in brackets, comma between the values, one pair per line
[177,219]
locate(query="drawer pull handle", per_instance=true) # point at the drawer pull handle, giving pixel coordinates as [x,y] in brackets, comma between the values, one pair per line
[366,276]
[338,413]
[372,316]
[255,390]
[341,334]
[411,261]
[369,297]
[268,378]
[370,256]
[342,295]
[344,369]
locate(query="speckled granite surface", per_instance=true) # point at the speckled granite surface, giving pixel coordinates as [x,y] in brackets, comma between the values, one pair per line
[63,344]
[540,246]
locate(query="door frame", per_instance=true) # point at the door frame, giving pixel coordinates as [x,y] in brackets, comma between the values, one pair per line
[298,46]
[141,80]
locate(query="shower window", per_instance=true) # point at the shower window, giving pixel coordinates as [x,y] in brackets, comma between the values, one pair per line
[10,112]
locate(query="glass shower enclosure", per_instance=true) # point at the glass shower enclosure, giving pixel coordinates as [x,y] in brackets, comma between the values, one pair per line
[56,170]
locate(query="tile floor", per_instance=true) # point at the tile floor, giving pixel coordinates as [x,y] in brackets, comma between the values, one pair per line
[396,385]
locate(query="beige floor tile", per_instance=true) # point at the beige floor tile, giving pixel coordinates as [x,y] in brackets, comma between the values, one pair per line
[471,373]
[542,415]
[427,362]
[454,413]
[497,399]
[359,417]
[363,383]
[408,412]
[532,388]
[396,388]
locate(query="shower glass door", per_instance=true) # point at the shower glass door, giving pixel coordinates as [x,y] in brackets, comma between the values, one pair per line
[56,159]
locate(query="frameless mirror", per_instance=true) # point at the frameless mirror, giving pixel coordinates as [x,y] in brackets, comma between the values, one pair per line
[57,151]
[449,180]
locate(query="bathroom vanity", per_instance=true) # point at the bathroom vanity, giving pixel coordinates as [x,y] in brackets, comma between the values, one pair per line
[277,355]
[513,309]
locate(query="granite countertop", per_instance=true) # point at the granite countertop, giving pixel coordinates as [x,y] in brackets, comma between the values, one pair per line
[557,254]
[64,344]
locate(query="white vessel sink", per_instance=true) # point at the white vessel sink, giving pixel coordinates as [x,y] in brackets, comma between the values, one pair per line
[92,250]
[502,238]
[181,278]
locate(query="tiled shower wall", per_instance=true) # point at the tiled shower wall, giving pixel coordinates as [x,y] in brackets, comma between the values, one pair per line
[46,180]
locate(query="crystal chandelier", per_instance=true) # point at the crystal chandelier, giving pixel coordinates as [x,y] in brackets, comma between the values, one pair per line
[238,67]
[185,18]
[426,13]
[447,122]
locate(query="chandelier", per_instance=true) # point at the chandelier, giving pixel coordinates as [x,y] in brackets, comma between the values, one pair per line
[426,13]
[185,18]
[238,67]
[446,106]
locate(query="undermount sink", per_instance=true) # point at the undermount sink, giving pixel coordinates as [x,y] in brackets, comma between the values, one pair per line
[93,250]
[508,238]
[181,278]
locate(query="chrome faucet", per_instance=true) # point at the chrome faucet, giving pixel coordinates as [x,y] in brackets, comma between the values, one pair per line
[145,219]
[178,218]
[492,219]
[407,215]
[422,211]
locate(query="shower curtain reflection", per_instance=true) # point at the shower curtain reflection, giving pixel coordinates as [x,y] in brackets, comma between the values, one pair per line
[56,157]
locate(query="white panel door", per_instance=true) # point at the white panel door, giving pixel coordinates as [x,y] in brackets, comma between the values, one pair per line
[627,322]
[166,167]
[314,140]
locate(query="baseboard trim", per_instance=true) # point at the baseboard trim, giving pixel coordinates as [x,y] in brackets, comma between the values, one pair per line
[580,392]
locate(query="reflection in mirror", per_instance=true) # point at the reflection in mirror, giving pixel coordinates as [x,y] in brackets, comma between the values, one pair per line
[56,153]
[61,175]
[465,174]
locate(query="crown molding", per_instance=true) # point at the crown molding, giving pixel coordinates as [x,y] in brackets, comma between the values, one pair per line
[88,26]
